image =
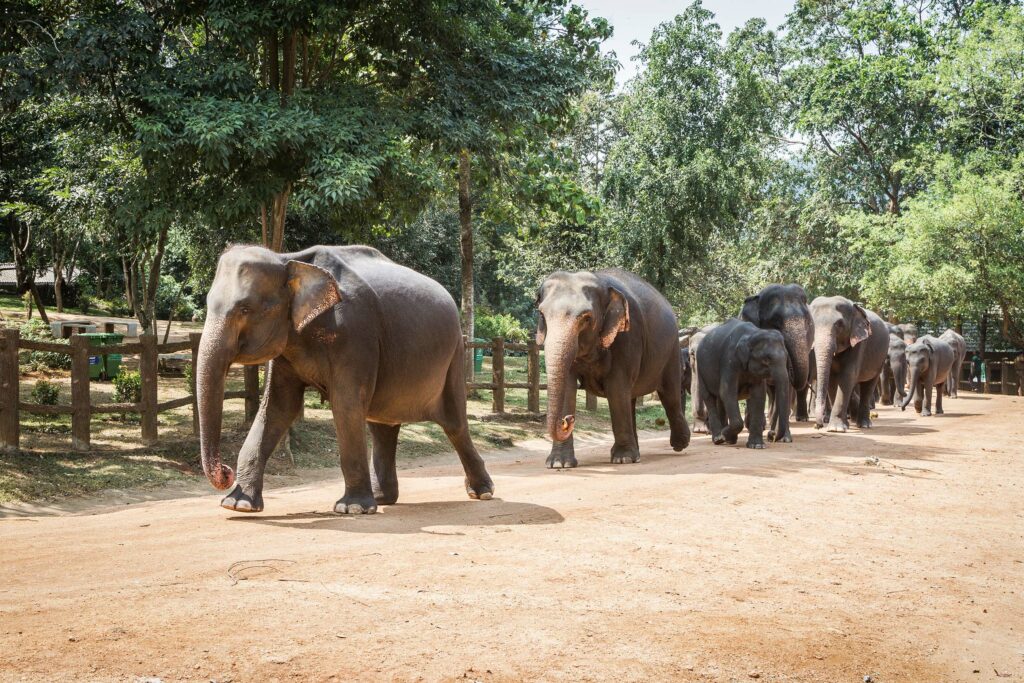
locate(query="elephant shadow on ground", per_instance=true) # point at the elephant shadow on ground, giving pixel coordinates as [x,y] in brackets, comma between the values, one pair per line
[412,518]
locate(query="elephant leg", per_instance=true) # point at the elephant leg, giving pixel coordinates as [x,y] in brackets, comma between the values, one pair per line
[456,427]
[731,405]
[280,405]
[350,424]
[838,422]
[802,413]
[385,473]
[938,400]
[675,409]
[563,454]
[864,409]
[701,403]
[620,405]
[926,408]
[636,437]
[716,420]
[755,409]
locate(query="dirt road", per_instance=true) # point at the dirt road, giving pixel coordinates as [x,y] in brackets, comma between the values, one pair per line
[802,562]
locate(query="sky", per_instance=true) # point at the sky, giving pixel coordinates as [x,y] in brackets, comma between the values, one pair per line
[635,19]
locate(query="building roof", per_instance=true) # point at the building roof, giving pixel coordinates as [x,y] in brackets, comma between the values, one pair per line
[8,277]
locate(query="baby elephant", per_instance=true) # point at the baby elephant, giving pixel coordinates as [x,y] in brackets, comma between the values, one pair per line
[736,361]
[930,360]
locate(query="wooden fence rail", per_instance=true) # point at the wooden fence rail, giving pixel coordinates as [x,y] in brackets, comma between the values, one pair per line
[81,408]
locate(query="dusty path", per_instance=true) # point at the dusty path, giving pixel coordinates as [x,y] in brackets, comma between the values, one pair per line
[803,562]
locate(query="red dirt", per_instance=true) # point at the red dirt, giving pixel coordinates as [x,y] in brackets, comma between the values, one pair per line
[802,562]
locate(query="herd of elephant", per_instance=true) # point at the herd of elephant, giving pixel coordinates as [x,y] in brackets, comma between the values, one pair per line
[384,344]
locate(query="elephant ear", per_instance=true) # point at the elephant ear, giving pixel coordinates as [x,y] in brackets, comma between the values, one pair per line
[750,312]
[314,291]
[861,328]
[616,317]
[743,350]
[542,326]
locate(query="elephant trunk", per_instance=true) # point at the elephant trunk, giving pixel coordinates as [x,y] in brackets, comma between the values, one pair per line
[213,363]
[916,378]
[824,352]
[560,349]
[795,336]
[899,373]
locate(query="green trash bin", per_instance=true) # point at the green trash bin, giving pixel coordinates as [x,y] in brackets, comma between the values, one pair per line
[478,356]
[107,366]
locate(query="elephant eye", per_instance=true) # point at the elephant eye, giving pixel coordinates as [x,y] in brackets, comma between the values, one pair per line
[245,310]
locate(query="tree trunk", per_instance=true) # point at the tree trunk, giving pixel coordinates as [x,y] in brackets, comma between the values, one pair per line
[58,288]
[466,242]
[983,335]
[277,218]
[39,303]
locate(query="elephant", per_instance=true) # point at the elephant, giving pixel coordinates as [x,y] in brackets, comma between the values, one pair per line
[784,308]
[700,408]
[930,360]
[894,371]
[381,341]
[908,331]
[959,344]
[737,359]
[850,343]
[617,336]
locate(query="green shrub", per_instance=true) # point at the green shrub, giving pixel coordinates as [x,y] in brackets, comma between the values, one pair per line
[490,325]
[37,330]
[128,387]
[190,372]
[46,392]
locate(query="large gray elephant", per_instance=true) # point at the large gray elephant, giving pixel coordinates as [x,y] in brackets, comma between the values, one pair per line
[959,344]
[894,371]
[908,331]
[737,359]
[617,336]
[700,408]
[784,308]
[382,341]
[930,360]
[850,343]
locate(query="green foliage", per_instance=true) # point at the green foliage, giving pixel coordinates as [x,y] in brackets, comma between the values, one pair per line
[45,392]
[172,294]
[37,330]
[128,387]
[490,325]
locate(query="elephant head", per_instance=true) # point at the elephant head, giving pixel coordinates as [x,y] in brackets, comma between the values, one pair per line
[764,354]
[784,308]
[257,300]
[919,361]
[579,318]
[839,325]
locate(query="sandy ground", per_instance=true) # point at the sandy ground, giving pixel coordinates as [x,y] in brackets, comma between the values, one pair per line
[802,562]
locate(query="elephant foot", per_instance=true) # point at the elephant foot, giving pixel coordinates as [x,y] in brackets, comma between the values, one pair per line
[622,455]
[389,498]
[754,444]
[802,418]
[239,501]
[679,440]
[480,490]
[356,505]
[865,423]
[836,426]
[926,413]
[561,460]
[700,427]
[940,411]
[785,438]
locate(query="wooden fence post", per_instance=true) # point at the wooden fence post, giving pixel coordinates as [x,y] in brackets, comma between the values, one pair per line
[81,411]
[194,338]
[10,427]
[252,392]
[148,361]
[591,401]
[498,375]
[533,376]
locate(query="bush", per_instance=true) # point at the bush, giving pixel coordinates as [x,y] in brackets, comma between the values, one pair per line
[172,294]
[190,372]
[128,387]
[37,330]
[46,392]
[489,325]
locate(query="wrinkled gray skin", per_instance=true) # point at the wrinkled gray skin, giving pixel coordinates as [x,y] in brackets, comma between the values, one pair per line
[616,336]
[700,408]
[908,331]
[737,359]
[894,371]
[381,341]
[850,343]
[930,360]
[784,308]
[954,339]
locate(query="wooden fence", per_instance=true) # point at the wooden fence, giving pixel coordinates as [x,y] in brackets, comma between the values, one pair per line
[81,408]
[1001,377]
